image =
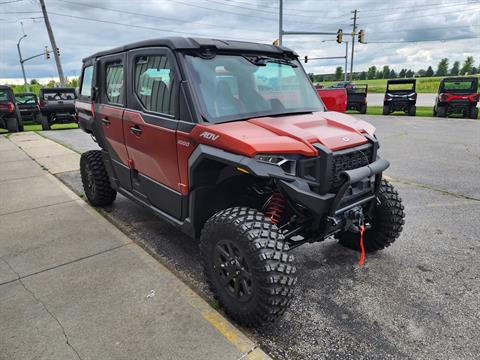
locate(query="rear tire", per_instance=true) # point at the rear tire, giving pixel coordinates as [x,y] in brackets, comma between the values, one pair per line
[45,123]
[474,113]
[247,266]
[412,111]
[363,109]
[442,111]
[95,180]
[386,109]
[387,223]
[12,125]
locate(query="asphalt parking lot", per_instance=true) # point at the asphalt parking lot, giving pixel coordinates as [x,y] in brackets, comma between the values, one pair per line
[419,299]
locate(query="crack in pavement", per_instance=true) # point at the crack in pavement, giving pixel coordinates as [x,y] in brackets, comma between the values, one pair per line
[67,340]
[428,187]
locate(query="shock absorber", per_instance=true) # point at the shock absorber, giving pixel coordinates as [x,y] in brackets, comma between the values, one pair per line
[275,207]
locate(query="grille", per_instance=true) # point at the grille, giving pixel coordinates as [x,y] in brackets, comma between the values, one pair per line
[349,160]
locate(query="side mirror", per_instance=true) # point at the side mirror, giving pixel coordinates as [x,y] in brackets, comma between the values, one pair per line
[94,94]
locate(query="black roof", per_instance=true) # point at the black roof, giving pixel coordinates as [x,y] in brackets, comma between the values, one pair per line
[25,93]
[183,43]
[460,78]
[65,89]
[401,81]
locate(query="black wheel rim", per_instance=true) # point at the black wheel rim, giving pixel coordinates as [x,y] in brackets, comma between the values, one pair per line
[232,271]
[89,179]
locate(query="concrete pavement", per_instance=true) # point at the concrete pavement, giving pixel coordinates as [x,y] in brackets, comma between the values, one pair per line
[72,286]
[416,300]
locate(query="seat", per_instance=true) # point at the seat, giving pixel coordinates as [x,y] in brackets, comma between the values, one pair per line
[160,99]
[225,102]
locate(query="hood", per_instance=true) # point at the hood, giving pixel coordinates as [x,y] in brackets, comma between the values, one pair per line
[287,134]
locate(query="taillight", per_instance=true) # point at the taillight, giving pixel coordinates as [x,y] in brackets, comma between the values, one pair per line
[10,107]
[443,97]
[92,109]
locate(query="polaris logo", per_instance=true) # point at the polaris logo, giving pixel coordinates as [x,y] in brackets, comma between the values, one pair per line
[346,139]
[209,136]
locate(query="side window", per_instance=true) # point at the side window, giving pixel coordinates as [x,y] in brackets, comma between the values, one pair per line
[87,81]
[154,84]
[114,83]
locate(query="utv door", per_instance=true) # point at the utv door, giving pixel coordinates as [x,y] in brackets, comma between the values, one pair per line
[150,126]
[109,114]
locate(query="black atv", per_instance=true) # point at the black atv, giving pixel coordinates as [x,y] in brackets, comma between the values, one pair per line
[457,95]
[357,98]
[10,117]
[400,96]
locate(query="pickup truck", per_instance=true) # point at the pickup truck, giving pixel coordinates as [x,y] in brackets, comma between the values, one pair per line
[10,117]
[28,105]
[334,99]
[57,106]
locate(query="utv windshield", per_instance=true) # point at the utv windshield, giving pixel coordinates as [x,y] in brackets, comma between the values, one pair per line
[26,99]
[233,87]
[461,86]
[401,87]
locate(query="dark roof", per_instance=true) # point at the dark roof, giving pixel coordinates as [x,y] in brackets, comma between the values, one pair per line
[460,78]
[5,87]
[66,89]
[182,43]
[401,81]
[25,93]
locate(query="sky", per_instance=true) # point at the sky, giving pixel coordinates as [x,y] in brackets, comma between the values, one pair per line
[394,30]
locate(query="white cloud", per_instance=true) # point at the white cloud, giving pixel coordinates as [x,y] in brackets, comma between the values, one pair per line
[254,20]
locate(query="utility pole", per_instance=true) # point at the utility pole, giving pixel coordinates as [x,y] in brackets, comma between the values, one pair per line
[53,43]
[21,62]
[354,33]
[346,60]
[280,23]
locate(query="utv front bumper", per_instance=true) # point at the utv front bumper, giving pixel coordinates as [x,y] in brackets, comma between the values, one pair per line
[359,186]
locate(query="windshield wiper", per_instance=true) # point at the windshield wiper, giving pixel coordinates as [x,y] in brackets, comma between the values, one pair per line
[263,60]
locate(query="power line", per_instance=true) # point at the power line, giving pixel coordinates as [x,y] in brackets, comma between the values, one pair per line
[141,14]
[10,2]
[424,40]
[236,13]
[416,8]
[140,26]
[419,16]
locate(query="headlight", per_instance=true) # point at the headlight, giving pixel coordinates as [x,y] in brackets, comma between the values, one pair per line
[288,163]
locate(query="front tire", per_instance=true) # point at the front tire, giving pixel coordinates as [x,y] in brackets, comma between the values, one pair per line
[95,180]
[442,111]
[386,225]
[247,265]
[12,125]
[412,111]
[386,109]
[45,123]
[474,113]
[363,109]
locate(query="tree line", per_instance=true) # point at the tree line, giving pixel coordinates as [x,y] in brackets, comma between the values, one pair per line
[443,69]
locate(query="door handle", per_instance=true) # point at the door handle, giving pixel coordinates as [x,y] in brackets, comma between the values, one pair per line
[136,130]
[106,121]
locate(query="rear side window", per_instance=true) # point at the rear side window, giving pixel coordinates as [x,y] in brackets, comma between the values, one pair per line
[87,81]
[114,83]
[154,84]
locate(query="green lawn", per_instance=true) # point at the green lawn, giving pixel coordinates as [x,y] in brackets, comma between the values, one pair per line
[424,85]
[378,110]
[37,127]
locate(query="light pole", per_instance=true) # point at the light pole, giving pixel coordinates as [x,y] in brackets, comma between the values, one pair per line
[340,57]
[21,62]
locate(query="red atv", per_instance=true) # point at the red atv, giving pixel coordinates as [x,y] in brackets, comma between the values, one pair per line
[230,142]
[457,95]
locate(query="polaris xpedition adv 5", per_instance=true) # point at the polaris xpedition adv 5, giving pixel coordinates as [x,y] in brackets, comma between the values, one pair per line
[229,141]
